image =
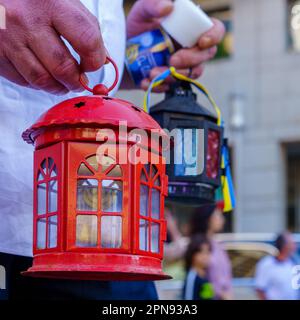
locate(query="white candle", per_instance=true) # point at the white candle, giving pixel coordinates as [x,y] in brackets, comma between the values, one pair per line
[186,23]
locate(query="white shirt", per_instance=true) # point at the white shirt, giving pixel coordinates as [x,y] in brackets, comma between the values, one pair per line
[20,108]
[274,278]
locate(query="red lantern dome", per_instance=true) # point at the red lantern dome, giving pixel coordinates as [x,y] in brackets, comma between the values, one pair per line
[98,209]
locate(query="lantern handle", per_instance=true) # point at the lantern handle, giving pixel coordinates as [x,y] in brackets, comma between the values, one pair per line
[101,89]
[158,80]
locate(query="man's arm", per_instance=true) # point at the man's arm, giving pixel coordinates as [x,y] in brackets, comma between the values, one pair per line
[32,52]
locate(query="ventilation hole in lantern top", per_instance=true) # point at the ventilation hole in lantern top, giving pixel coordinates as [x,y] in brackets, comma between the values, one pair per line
[136,108]
[79,104]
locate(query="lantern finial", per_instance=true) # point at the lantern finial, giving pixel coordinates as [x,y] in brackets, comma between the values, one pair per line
[101,89]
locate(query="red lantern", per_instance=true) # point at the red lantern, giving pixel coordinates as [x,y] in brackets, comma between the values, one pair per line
[96,217]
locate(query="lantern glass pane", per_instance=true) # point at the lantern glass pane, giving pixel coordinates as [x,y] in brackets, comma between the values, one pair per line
[147,168]
[86,231]
[112,196]
[53,172]
[115,172]
[153,171]
[155,237]
[144,200]
[213,146]
[144,235]
[87,195]
[40,176]
[189,152]
[84,171]
[92,161]
[41,233]
[155,204]
[41,198]
[106,162]
[157,181]
[143,176]
[111,232]
[52,196]
[50,164]
[44,166]
[52,232]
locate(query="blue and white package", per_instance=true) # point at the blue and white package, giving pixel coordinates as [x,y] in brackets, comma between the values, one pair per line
[146,51]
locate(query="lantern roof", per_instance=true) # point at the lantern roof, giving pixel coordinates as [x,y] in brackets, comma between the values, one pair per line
[181,99]
[93,111]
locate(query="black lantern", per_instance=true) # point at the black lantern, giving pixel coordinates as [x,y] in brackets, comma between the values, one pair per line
[195,161]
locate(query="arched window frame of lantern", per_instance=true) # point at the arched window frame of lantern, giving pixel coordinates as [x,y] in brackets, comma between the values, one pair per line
[150,183]
[47,207]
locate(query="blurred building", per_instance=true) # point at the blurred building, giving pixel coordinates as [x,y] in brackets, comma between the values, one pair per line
[256,81]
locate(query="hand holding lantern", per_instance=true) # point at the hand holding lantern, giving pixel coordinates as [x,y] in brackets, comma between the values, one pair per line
[146,15]
[32,53]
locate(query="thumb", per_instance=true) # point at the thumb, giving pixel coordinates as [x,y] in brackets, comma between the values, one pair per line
[152,9]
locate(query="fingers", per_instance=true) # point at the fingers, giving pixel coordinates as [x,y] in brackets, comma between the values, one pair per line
[83,33]
[190,58]
[158,71]
[193,73]
[197,72]
[213,36]
[149,9]
[146,14]
[189,62]
[35,73]
[161,88]
[32,51]
[9,72]
[57,59]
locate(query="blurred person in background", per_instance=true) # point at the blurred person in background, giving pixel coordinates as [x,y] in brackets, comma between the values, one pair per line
[176,244]
[273,279]
[197,261]
[208,220]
